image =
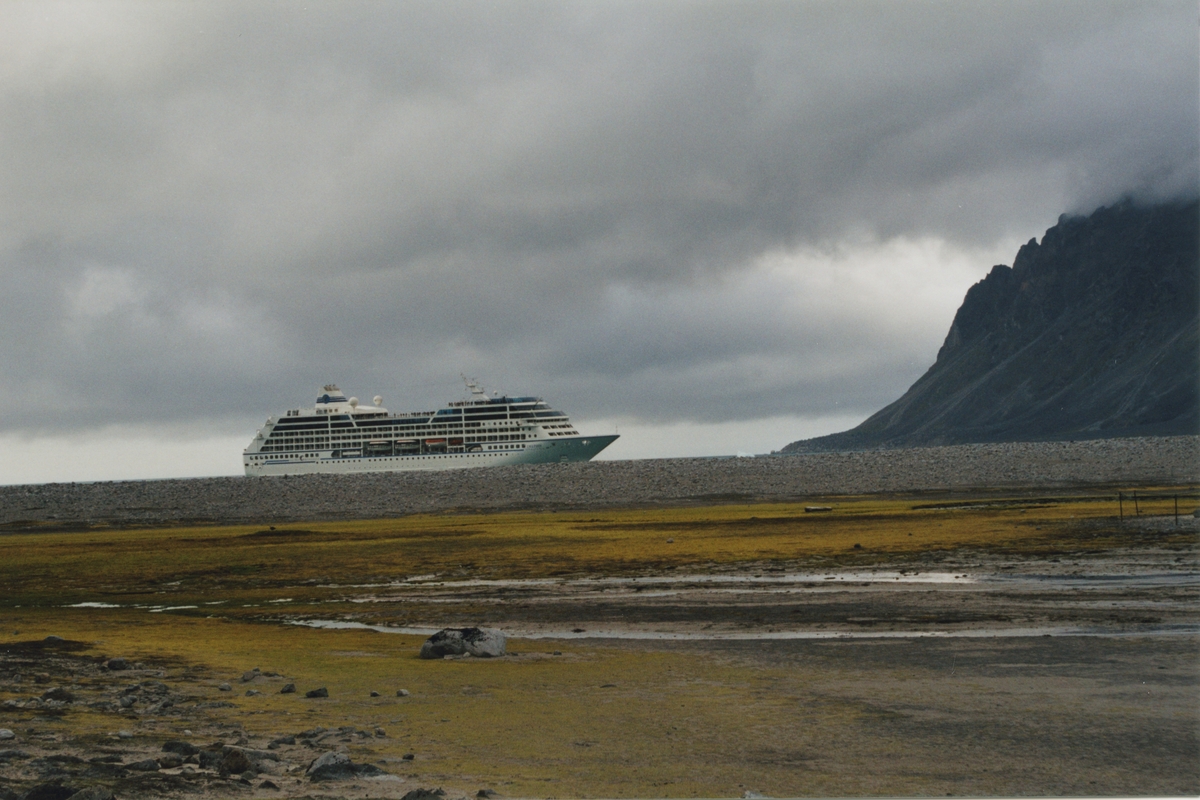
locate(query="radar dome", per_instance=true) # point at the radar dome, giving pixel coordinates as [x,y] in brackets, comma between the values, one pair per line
[378,400]
[354,402]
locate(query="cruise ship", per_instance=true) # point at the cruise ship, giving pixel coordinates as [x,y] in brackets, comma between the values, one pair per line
[339,435]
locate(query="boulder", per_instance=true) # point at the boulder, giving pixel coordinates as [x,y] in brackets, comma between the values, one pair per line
[288,688]
[93,793]
[117,664]
[170,760]
[338,766]
[478,642]
[234,762]
[425,794]
[5,733]
[322,692]
[49,791]
[58,693]
[181,748]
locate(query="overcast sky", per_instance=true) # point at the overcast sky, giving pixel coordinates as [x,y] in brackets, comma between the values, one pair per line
[719,226]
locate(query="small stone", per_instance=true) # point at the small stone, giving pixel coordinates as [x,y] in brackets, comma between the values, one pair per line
[424,794]
[127,701]
[268,785]
[322,692]
[225,687]
[170,760]
[49,791]
[249,676]
[484,793]
[381,733]
[408,757]
[234,762]
[558,652]
[145,765]
[58,693]
[93,793]
[374,694]
[52,639]
[288,688]
[5,733]
[124,734]
[281,740]
[115,664]
[181,748]
[402,693]
[252,692]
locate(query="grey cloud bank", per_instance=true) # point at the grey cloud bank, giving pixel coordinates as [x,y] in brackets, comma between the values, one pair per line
[705,212]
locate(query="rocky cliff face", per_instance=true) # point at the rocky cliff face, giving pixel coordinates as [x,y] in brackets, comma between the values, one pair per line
[1093,333]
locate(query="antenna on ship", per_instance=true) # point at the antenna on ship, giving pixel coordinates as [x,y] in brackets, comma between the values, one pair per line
[473,386]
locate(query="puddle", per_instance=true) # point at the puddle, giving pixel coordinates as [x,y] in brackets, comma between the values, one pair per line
[881,576]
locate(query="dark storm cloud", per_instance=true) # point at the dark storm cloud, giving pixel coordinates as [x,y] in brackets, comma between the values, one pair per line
[206,210]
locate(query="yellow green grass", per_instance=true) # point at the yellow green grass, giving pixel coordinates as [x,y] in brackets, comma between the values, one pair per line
[253,563]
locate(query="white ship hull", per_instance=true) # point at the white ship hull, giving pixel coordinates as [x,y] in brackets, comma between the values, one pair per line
[338,436]
[583,448]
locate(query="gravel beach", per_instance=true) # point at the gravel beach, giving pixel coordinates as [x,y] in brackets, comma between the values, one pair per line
[1104,462]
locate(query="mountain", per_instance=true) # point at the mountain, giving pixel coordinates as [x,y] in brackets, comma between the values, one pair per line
[1093,333]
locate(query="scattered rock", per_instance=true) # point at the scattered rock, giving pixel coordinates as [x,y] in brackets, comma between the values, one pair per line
[116,664]
[182,748]
[478,642]
[424,794]
[484,793]
[381,733]
[402,693]
[249,676]
[58,693]
[225,687]
[52,639]
[288,688]
[145,765]
[374,694]
[234,762]
[124,734]
[170,760]
[5,733]
[408,757]
[281,740]
[268,785]
[127,701]
[9,755]
[49,791]
[252,692]
[338,766]
[93,793]
[322,692]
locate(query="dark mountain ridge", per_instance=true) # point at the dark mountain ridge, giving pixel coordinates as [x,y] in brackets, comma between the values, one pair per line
[1094,333]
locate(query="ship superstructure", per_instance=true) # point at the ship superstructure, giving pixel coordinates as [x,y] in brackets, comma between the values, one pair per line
[338,434]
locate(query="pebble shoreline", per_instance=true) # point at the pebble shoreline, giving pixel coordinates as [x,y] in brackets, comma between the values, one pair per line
[1171,460]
